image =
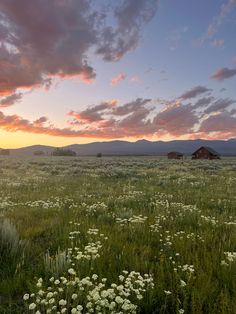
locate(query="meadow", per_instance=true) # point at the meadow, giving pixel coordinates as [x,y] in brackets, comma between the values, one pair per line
[117,235]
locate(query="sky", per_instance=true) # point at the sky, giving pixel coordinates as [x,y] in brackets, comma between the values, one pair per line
[79,71]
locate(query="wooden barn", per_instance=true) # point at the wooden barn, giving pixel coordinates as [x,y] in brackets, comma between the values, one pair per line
[205,152]
[175,155]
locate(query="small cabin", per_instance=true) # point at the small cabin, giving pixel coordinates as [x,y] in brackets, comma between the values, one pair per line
[175,155]
[205,152]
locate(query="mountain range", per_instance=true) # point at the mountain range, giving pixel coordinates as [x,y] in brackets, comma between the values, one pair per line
[140,147]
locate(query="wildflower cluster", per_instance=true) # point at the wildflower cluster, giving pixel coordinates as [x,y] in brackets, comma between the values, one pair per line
[181,234]
[90,252]
[96,208]
[71,294]
[209,219]
[135,219]
[130,195]
[230,257]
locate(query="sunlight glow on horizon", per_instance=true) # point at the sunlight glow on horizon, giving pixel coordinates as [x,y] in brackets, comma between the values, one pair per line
[20,139]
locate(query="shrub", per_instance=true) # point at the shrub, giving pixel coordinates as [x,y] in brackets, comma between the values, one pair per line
[63,152]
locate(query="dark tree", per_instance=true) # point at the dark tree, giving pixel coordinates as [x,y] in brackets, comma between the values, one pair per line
[63,152]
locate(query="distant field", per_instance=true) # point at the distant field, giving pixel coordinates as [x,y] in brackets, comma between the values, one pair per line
[117,235]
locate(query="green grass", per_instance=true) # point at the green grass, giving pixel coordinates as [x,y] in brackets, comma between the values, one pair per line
[190,204]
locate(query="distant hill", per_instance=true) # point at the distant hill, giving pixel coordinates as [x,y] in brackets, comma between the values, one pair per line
[141,147]
[30,150]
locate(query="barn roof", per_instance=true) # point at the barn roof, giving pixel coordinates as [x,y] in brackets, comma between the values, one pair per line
[209,149]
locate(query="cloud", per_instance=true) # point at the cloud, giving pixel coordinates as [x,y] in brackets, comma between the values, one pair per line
[177,119]
[225,10]
[131,16]
[137,118]
[220,105]
[92,114]
[130,107]
[202,102]
[44,39]
[136,124]
[194,92]
[130,119]
[10,100]
[15,123]
[223,73]
[40,122]
[223,122]
[119,77]
[113,120]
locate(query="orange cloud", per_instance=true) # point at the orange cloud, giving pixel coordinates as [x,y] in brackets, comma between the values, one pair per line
[205,118]
[92,114]
[119,77]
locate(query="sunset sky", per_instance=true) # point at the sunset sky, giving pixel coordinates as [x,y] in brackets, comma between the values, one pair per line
[77,71]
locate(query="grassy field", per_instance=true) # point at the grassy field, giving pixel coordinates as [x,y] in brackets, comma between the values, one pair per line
[117,235]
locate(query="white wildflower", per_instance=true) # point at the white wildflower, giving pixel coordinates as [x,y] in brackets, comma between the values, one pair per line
[26,297]
[32,306]
[182,283]
[71,271]
[74,296]
[62,302]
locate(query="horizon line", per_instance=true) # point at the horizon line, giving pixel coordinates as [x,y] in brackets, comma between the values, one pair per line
[110,141]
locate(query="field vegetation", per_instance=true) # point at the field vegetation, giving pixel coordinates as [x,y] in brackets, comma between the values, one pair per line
[117,235]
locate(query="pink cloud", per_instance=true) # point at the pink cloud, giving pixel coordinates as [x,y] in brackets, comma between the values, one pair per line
[93,113]
[223,73]
[118,78]
[138,118]
[223,123]
[44,39]
[219,105]
[15,123]
[203,102]
[130,107]
[194,92]
[10,100]
[177,119]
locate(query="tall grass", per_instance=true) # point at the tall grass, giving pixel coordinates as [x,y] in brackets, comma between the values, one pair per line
[173,220]
[12,249]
